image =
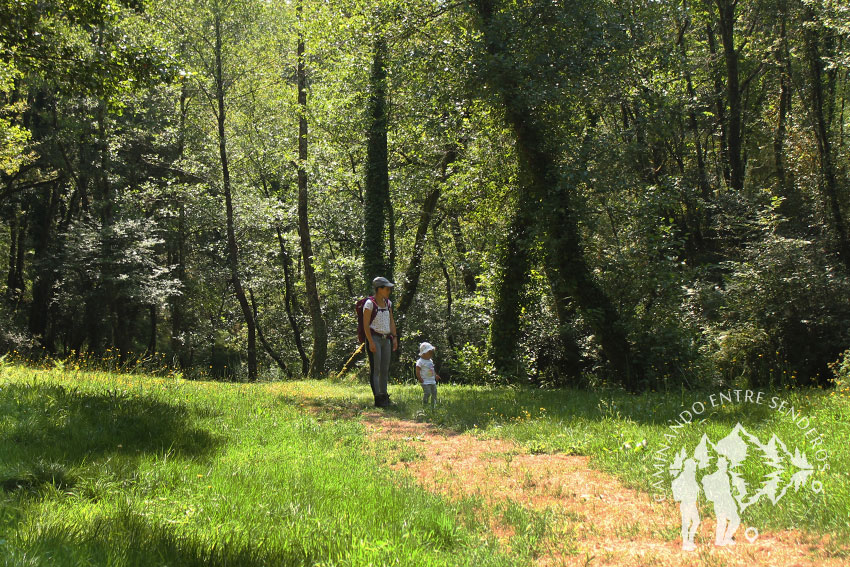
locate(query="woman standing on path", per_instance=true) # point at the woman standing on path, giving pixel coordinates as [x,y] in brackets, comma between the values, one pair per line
[381,338]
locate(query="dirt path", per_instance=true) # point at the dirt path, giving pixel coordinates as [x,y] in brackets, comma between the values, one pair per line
[599,521]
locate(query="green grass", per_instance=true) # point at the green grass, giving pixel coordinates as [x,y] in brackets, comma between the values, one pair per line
[600,424]
[111,469]
[106,469]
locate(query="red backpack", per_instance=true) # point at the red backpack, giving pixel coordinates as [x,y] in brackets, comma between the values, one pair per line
[358,309]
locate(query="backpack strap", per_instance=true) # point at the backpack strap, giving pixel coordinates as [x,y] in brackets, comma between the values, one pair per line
[374,309]
[375,303]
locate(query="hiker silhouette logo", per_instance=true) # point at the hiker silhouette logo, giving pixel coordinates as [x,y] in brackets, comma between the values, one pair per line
[733,473]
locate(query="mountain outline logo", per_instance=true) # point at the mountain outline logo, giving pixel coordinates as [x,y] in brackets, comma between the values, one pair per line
[726,488]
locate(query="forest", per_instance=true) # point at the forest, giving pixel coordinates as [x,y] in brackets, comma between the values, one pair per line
[648,194]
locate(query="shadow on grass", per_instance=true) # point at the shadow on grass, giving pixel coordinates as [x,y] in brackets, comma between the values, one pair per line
[47,431]
[581,417]
[128,539]
[328,407]
[465,408]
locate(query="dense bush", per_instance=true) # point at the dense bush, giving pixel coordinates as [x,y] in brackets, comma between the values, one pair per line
[13,335]
[780,316]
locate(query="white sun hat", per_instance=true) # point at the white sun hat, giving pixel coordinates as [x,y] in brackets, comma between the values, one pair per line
[425,347]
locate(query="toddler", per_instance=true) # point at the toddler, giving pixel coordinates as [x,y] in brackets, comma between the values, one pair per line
[426,374]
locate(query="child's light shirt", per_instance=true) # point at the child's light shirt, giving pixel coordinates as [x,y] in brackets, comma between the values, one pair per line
[426,371]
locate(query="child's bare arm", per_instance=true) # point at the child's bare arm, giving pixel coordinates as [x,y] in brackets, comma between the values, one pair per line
[419,374]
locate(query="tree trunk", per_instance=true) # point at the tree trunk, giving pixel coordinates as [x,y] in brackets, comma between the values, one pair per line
[177,337]
[726,11]
[645,165]
[232,248]
[154,317]
[829,182]
[320,334]
[101,170]
[841,111]
[390,272]
[790,207]
[702,217]
[720,107]
[563,296]
[93,329]
[376,195]
[289,304]
[44,214]
[845,79]
[449,333]
[269,350]
[510,294]
[572,278]
[179,253]
[541,181]
[11,284]
[21,249]
[107,293]
[566,313]
[468,273]
[414,268]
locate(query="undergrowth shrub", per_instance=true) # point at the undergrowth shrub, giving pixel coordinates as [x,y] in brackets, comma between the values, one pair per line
[841,372]
[472,366]
[780,316]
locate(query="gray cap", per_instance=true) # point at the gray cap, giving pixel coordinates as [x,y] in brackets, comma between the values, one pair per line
[382,282]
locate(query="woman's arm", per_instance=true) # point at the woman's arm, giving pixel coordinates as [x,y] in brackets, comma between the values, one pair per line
[393,331]
[367,328]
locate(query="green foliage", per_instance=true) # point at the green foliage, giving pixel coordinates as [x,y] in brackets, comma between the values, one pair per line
[100,265]
[780,316]
[13,137]
[105,119]
[841,372]
[471,365]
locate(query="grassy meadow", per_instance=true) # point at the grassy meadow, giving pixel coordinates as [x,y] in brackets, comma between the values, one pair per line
[108,469]
[102,468]
[625,434]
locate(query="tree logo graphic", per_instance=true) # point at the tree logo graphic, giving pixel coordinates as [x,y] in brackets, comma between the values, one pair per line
[714,470]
